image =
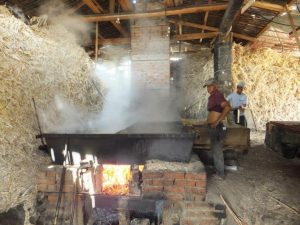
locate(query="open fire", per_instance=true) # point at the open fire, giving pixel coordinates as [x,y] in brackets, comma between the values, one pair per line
[116,179]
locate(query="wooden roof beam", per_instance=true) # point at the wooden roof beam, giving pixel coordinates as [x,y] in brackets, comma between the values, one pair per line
[205,18]
[268,6]
[182,37]
[157,13]
[96,8]
[205,27]
[126,5]
[194,36]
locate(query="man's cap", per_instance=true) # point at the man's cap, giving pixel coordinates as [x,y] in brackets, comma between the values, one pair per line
[241,84]
[210,81]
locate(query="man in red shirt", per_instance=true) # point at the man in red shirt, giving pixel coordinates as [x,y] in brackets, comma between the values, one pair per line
[218,108]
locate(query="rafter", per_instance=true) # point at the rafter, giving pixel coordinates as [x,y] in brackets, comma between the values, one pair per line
[268,6]
[160,13]
[194,36]
[96,8]
[209,28]
[183,37]
[205,18]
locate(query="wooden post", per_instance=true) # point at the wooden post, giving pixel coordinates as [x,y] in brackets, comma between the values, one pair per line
[97,41]
[293,26]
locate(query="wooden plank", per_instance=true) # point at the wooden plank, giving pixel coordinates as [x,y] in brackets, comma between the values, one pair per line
[235,138]
[247,6]
[268,6]
[185,37]
[159,13]
[96,8]
[291,20]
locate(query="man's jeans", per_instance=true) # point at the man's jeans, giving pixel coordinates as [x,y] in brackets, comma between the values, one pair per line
[216,137]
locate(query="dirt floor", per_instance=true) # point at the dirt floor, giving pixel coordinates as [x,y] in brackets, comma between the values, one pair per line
[265,190]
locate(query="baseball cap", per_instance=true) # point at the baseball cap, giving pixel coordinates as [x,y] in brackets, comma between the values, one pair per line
[209,82]
[241,84]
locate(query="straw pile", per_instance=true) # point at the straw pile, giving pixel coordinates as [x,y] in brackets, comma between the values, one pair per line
[272,83]
[40,63]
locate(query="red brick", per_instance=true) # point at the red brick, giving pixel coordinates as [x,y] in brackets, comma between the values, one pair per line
[190,183]
[180,183]
[168,182]
[147,181]
[195,190]
[152,189]
[174,197]
[195,176]
[158,182]
[151,175]
[201,184]
[174,175]
[174,189]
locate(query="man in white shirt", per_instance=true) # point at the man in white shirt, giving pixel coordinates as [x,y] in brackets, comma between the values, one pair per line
[238,102]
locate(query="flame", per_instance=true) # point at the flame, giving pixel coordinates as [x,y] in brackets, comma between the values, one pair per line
[116,179]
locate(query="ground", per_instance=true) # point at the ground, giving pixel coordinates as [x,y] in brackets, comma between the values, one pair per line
[265,190]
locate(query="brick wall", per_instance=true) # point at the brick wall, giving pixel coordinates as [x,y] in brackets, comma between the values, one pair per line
[175,186]
[183,186]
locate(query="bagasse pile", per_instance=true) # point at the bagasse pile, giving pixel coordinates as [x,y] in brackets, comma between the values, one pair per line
[40,63]
[272,83]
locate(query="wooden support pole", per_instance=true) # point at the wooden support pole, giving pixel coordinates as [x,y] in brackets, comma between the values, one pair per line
[293,26]
[97,42]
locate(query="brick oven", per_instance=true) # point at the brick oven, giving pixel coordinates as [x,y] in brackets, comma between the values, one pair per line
[159,192]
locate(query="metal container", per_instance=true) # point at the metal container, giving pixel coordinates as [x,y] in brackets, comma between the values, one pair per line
[164,141]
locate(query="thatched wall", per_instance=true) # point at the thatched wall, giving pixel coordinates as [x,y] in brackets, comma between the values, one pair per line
[40,63]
